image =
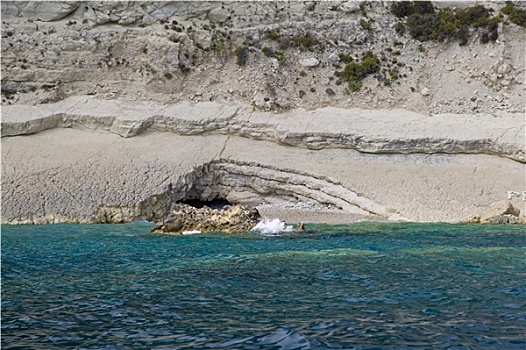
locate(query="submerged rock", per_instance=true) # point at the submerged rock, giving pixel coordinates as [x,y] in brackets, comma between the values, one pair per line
[230,218]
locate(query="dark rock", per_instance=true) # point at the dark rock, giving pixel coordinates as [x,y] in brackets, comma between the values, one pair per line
[330,92]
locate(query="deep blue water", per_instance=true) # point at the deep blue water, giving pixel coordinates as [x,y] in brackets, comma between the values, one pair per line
[361,286]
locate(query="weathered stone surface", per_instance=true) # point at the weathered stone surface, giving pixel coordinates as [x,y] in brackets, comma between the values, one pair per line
[498,210]
[380,131]
[118,139]
[227,219]
[310,62]
[48,10]
[505,220]
[97,176]
[218,15]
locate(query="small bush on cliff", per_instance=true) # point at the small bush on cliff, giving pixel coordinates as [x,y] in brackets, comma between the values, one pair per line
[514,14]
[273,35]
[407,8]
[355,72]
[218,44]
[242,55]
[424,23]
[306,42]
[345,58]
[280,55]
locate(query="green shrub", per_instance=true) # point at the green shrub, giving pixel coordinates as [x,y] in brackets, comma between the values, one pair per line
[355,72]
[242,55]
[423,27]
[370,63]
[218,44]
[408,8]
[305,42]
[365,24]
[280,55]
[476,16]
[400,28]
[268,51]
[515,15]
[424,24]
[345,58]
[402,9]
[424,7]
[393,74]
[273,35]
[355,85]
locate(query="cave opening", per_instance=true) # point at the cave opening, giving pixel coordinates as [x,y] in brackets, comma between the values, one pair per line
[216,203]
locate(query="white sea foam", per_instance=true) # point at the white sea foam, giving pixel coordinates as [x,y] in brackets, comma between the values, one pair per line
[193,232]
[272,226]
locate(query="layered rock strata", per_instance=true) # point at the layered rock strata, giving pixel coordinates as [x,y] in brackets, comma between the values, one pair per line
[114,111]
[91,166]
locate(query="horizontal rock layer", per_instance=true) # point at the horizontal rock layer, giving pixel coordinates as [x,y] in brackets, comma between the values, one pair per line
[369,131]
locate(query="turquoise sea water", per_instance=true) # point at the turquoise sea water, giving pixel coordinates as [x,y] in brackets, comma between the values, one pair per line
[361,286]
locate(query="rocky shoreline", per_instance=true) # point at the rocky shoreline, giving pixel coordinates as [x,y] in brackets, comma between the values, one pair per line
[118,112]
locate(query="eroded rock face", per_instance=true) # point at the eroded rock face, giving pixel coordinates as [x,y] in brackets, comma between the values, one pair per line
[498,209]
[501,212]
[230,218]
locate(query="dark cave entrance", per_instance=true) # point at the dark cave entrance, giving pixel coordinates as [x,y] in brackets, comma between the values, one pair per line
[216,203]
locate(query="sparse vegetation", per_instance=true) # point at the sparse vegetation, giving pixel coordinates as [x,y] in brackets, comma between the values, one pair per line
[355,72]
[242,55]
[218,44]
[273,35]
[424,23]
[267,51]
[365,24]
[305,42]
[515,15]
[280,55]
[147,69]
[345,58]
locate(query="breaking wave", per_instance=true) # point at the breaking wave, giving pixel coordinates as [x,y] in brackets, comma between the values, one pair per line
[272,226]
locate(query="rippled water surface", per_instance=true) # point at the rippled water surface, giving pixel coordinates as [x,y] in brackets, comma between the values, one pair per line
[361,286]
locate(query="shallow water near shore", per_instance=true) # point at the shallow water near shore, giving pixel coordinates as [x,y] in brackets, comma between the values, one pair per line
[359,286]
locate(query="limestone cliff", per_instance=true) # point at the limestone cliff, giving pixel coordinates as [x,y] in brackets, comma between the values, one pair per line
[112,112]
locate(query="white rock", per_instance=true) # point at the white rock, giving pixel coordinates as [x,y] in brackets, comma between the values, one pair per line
[424,92]
[102,18]
[350,6]
[334,57]
[10,10]
[310,62]
[258,100]
[218,15]
[49,10]
[504,68]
